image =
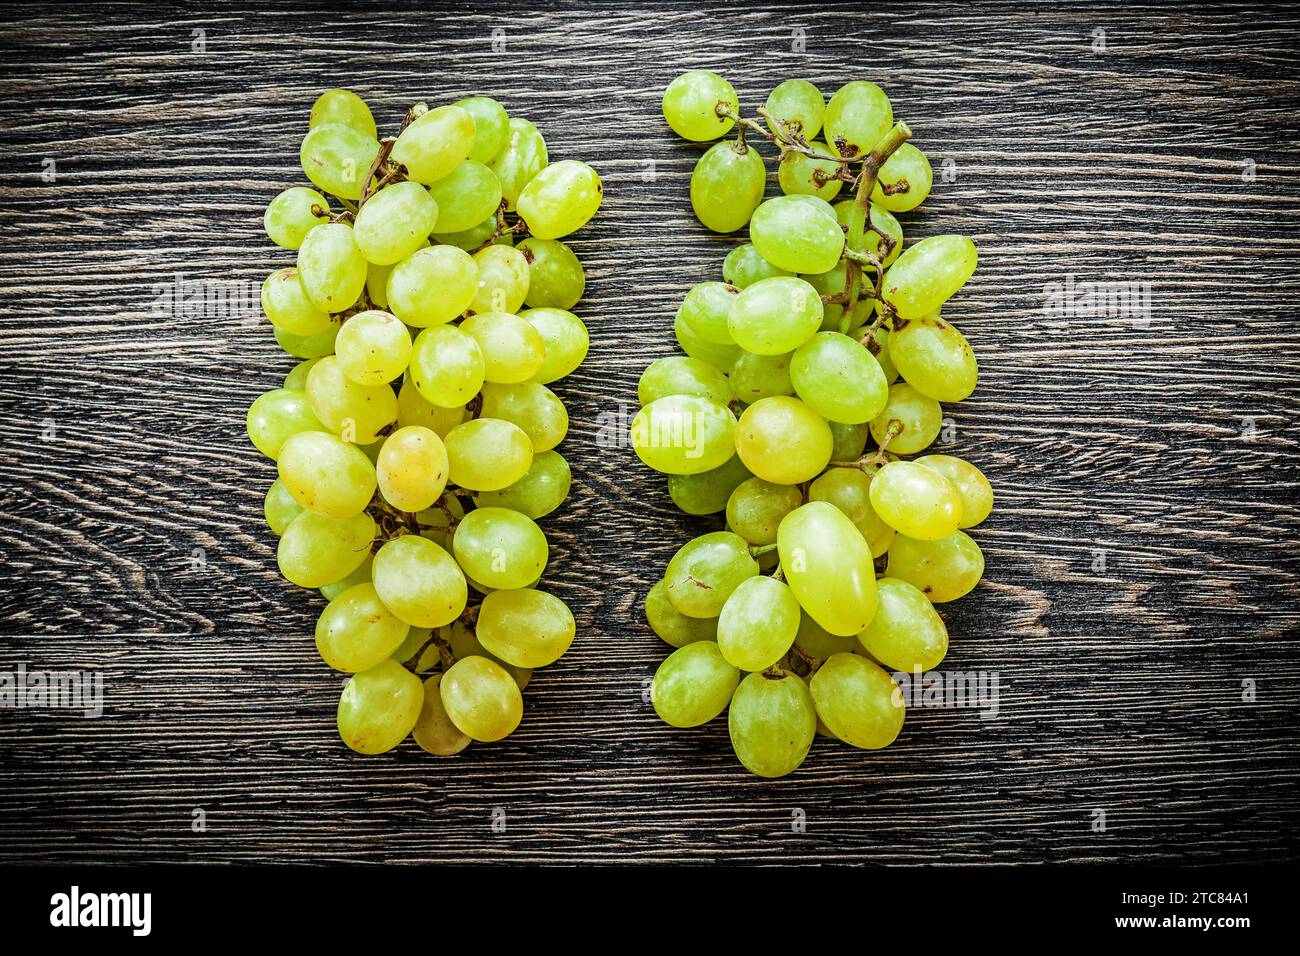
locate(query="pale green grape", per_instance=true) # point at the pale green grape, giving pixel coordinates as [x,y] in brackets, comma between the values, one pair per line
[772,722]
[502,279]
[308,346]
[850,490]
[797,235]
[927,275]
[782,440]
[560,199]
[910,164]
[521,157]
[326,475]
[744,266]
[943,570]
[377,284]
[527,628]
[290,216]
[828,566]
[916,501]
[500,548]
[419,582]
[373,348]
[839,378]
[434,730]
[344,107]
[336,159]
[756,508]
[531,406]
[555,277]
[447,367]
[565,339]
[972,487]
[464,643]
[487,454]
[475,236]
[727,186]
[316,550]
[513,350]
[356,632]
[466,196]
[858,701]
[435,144]
[379,707]
[414,409]
[857,116]
[482,699]
[800,104]
[331,268]
[775,316]
[297,376]
[412,468]
[798,174]
[432,286]
[706,570]
[684,434]
[682,375]
[761,376]
[907,633]
[394,222]
[693,685]
[706,309]
[278,415]
[691,104]
[540,491]
[818,643]
[758,623]
[354,412]
[359,575]
[915,418]
[707,492]
[721,357]
[884,220]
[671,624]
[934,358]
[490,124]
[849,440]
[279,507]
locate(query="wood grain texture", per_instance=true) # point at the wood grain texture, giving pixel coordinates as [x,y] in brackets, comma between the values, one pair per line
[125,456]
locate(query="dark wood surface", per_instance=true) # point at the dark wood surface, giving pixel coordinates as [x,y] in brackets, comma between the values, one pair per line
[130,498]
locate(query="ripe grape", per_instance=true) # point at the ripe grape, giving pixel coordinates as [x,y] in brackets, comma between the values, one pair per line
[775,316]
[691,104]
[934,358]
[308,346]
[412,468]
[671,624]
[490,125]
[344,107]
[379,707]
[859,702]
[727,186]
[286,304]
[857,116]
[326,475]
[540,491]
[706,570]
[435,144]
[465,197]
[336,159]
[798,174]
[331,268]
[684,434]
[356,631]
[414,409]
[943,570]
[910,164]
[487,454]
[531,406]
[761,376]
[434,730]
[927,275]
[555,277]
[819,644]
[693,685]
[839,379]
[280,507]
[278,415]
[395,222]
[794,233]
[521,157]
[707,492]
[513,350]
[290,215]
[848,440]
[706,310]
[502,279]
[560,199]
[800,104]
[432,286]
[772,722]
[913,419]
[527,628]
[500,548]
[447,366]
[972,487]
[564,339]
[316,550]
[352,411]
[419,581]
[756,508]
[721,357]
[850,490]
[373,348]
[783,440]
[907,633]
[744,266]
[481,698]
[916,501]
[828,567]
[758,623]
[682,375]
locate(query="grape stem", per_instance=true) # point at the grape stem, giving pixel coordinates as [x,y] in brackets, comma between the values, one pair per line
[785,139]
[412,664]
[757,551]
[879,456]
[860,213]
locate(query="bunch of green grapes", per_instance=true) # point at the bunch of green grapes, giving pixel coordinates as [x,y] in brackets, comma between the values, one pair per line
[824,336]
[415,441]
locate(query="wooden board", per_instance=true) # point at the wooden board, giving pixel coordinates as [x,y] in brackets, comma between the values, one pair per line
[1142,570]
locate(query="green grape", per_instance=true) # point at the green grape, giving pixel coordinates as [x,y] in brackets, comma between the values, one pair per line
[934,358]
[555,277]
[706,570]
[800,104]
[775,316]
[858,701]
[379,707]
[707,492]
[818,643]
[412,468]
[475,236]
[706,310]
[500,548]
[419,582]
[682,375]
[435,144]
[331,268]
[359,575]
[916,501]
[343,107]
[513,350]
[540,491]
[326,475]
[910,164]
[434,730]
[761,376]
[394,222]
[672,625]
[758,623]
[336,159]
[297,376]
[289,216]
[828,566]
[308,346]
[502,279]
[907,633]
[432,286]
[798,174]
[943,570]
[927,275]
[356,632]
[972,487]
[560,199]
[684,434]
[521,157]
[377,284]
[850,490]
[782,440]
[465,197]
[744,266]
[279,507]
[439,522]
[490,124]
[721,357]
[531,406]
[447,367]
[839,379]
[848,441]
[316,550]
[884,220]
[464,643]
[373,348]
[693,685]
[797,235]
[564,337]
[354,412]
[527,628]
[727,186]
[691,104]
[857,116]
[832,282]
[879,347]
[482,699]
[278,415]
[913,419]
[487,454]
[772,722]
[756,508]
[414,409]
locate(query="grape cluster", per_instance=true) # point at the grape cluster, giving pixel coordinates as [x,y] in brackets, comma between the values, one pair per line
[415,442]
[825,334]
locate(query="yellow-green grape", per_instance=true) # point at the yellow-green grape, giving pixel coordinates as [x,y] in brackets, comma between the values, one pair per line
[419,582]
[850,490]
[727,186]
[379,707]
[849,441]
[464,643]
[278,415]
[839,378]
[290,215]
[907,164]
[693,685]
[927,275]
[676,628]
[434,730]
[297,376]
[513,350]
[482,699]
[356,632]
[706,570]
[878,346]
[344,107]
[540,491]
[943,570]
[934,358]
[279,507]
[907,633]
[911,418]
[782,440]
[682,375]
[761,376]
[435,144]
[800,104]
[531,406]
[555,276]
[858,701]
[756,508]
[883,220]
[373,348]
[465,197]
[439,522]
[706,310]
[354,412]
[326,475]
[417,641]
[818,643]
[828,566]
[758,623]
[336,158]
[490,125]
[447,366]
[527,628]
[377,284]
[564,337]
[316,550]
[521,157]
[500,548]
[432,286]
[744,266]
[394,222]
[706,493]
[502,279]
[857,116]
[476,236]
[359,575]
[487,454]
[414,409]
[684,434]
[560,199]
[775,316]
[721,357]
[772,722]
[973,488]
[331,268]
[916,501]
[833,282]
[795,234]
[412,469]
[798,174]
[691,104]
[308,346]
